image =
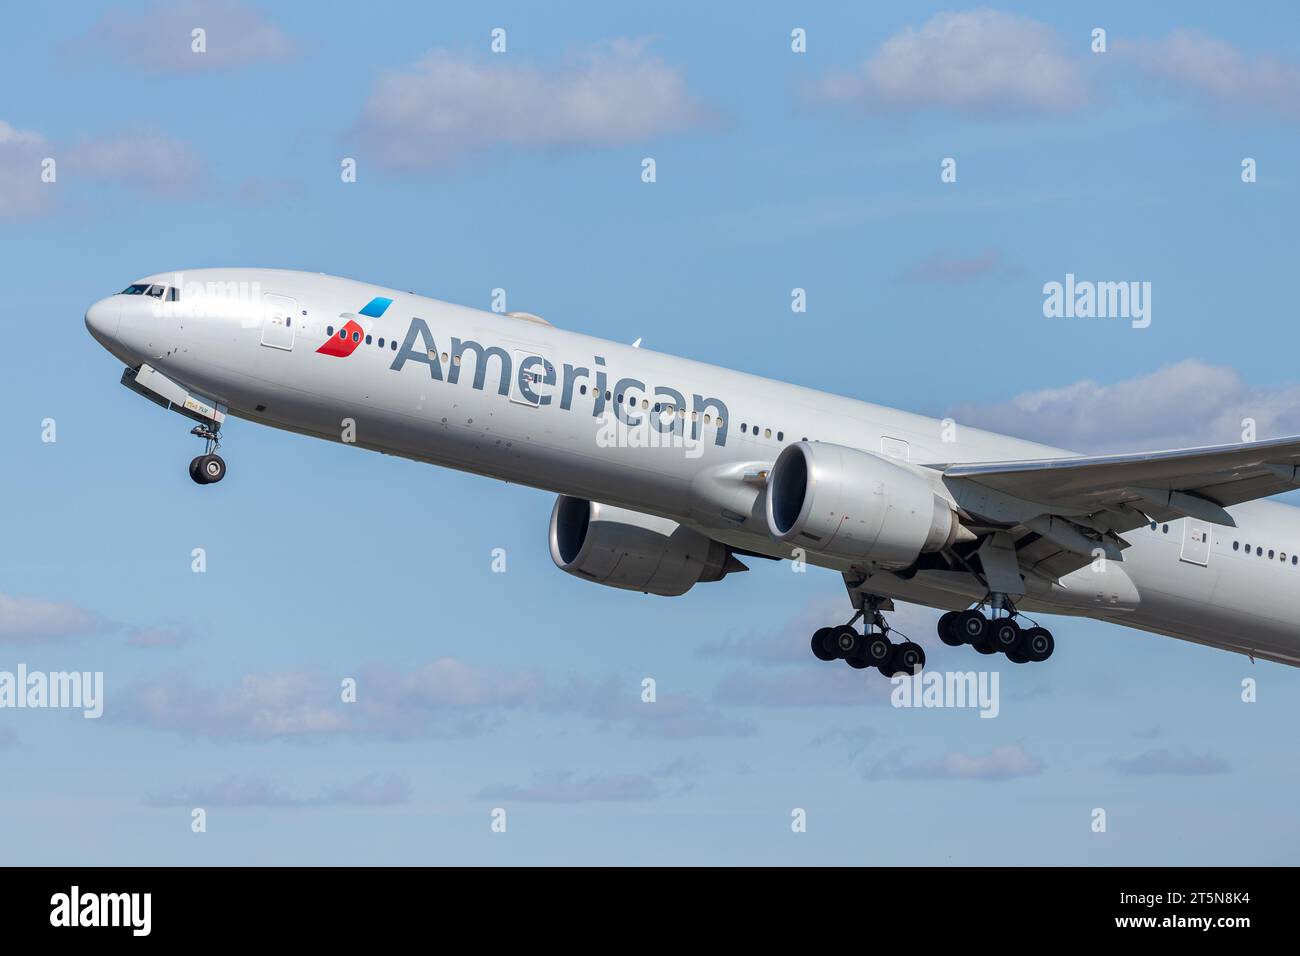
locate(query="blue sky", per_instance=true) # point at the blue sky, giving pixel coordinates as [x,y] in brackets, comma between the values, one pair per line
[521,690]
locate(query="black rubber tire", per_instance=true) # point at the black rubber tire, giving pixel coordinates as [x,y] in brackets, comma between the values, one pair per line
[908,658]
[857,663]
[1004,634]
[985,648]
[1039,644]
[212,468]
[822,643]
[197,478]
[971,626]
[947,629]
[847,642]
[878,650]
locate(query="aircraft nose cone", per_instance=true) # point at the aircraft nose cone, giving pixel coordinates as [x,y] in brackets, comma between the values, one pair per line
[102,319]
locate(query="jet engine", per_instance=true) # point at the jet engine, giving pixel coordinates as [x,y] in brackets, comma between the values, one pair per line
[856,506]
[638,552]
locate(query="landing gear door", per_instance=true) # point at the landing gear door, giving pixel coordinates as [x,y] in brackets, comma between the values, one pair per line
[1196,542]
[278,313]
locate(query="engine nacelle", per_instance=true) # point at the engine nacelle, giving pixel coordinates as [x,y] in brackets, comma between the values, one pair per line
[853,505]
[638,552]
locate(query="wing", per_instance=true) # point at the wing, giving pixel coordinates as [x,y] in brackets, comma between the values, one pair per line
[1078,504]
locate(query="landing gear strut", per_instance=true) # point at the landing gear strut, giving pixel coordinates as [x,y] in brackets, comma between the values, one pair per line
[871,648]
[209,467]
[997,633]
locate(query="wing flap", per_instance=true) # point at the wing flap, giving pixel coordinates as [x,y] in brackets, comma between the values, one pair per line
[1195,482]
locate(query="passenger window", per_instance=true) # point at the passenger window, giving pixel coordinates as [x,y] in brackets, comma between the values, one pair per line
[368,340]
[381,343]
[1236,546]
[329,330]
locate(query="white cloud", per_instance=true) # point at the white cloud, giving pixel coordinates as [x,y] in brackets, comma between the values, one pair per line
[262,706]
[159,39]
[34,621]
[446,107]
[143,160]
[942,269]
[22,194]
[241,791]
[156,637]
[566,787]
[1002,763]
[973,63]
[1223,78]
[442,699]
[1168,763]
[1187,404]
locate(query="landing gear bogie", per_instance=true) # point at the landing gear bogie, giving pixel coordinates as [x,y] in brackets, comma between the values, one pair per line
[1021,645]
[870,648]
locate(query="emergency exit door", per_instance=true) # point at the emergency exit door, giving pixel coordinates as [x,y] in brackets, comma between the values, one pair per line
[1196,541]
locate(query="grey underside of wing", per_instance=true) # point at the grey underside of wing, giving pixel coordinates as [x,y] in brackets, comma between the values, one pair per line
[1117,493]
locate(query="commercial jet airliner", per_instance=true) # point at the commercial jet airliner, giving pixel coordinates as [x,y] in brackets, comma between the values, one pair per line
[669,471]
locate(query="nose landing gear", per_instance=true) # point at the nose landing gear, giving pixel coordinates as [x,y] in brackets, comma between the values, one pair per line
[209,467]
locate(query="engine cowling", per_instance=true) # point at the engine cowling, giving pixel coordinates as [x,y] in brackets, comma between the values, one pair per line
[853,505]
[638,552]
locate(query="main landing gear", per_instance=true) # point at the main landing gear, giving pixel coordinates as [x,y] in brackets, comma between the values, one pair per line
[872,648]
[209,467]
[990,635]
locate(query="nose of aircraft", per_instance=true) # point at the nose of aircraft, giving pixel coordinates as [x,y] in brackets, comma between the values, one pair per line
[102,319]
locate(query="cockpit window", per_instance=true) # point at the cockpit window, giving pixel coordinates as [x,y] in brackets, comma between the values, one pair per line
[156,290]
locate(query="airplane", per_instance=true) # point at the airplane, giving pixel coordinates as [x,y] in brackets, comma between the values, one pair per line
[669,471]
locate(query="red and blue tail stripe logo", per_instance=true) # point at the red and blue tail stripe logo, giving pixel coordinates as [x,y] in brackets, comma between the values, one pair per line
[345,341]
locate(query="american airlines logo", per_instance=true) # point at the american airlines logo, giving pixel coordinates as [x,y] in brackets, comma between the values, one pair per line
[534,381]
[344,342]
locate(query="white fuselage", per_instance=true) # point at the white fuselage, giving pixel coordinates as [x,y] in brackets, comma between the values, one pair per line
[554,429]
